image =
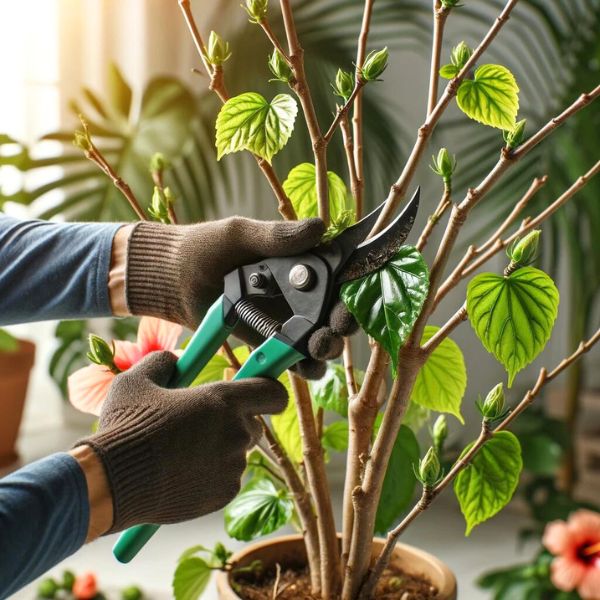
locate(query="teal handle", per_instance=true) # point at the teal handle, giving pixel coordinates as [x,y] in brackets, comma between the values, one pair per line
[270,359]
[132,540]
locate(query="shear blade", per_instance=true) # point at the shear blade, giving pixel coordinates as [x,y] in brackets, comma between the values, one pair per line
[373,253]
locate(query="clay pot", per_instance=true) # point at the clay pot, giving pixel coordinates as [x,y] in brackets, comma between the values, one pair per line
[289,550]
[14,377]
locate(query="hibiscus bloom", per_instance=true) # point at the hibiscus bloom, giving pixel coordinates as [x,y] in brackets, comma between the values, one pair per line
[88,387]
[576,544]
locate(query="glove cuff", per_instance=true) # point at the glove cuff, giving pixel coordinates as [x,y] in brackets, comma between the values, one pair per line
[152,280]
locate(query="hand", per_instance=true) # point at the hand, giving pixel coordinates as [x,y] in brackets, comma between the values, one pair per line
[170,455]
[176,272]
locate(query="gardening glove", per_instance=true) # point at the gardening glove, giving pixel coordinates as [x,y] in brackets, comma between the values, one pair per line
[176,273]
[175,454]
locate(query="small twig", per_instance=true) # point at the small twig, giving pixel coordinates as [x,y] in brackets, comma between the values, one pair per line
[266,27]
[442,207]
[157,178]
[342,111]
[234,363]
[440,14]
[349,150]
[349,368]
[441,334]
[277,578]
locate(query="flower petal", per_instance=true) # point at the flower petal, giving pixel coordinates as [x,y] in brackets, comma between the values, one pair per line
[589,588]
[585,525]
[127,354]
[557,537]
[88,388]
[157,334]
[566,574]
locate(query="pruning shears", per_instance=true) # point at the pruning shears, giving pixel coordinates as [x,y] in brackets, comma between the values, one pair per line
[309,283]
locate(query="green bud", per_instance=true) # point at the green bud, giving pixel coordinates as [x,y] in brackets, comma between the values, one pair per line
[68,579]
[439,433]
[133,592]
[159,207]
[450,3]
[523,252]
[256,9]
[279,67]
[493,405]
[375,64]
[514,137]
[159,163]
[338,224]
[221,553]
[429,468]
[101,353]
[444,165]
[47,588]
[218,50]
[460,55]
[82,140]
[344,84]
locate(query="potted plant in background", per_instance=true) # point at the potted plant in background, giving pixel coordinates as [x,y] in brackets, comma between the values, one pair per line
[16,360]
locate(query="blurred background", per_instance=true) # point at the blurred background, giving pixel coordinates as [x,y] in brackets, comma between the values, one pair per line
[127,66]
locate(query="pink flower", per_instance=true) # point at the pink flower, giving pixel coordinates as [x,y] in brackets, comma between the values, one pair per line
[88,387]
[576,544]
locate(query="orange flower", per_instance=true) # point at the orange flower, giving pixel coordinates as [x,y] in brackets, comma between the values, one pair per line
[85,587]
[88,387]
[576,545]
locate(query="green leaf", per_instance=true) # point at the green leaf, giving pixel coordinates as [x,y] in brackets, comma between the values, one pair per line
[387,302]
[190,579]
[399,482]
[335,436]
[260,508]
[215,367]
[249,122]
[119,92]
[449,71]
[330,392]
[286,427]
[416,416]
[301,187]
[486,486]
[491,97]
[442,380]
[513,316]
[542,454]
[8,343]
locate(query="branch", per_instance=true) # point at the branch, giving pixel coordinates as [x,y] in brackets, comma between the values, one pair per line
[440,14]
[433,219]
[349,368]
[453,322]
[349,149]
[217,85]
[486,434]
[343,111]
[266,27]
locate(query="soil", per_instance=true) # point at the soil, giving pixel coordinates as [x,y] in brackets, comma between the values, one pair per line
[295,585]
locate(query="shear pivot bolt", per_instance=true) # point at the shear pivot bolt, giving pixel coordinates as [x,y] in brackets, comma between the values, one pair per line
[301,277]
[257,280]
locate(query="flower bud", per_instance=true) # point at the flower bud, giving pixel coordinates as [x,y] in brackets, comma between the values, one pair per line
[514,137]
[460,55]
[159,163]
[439,433]
[375,64]
[524,251]
[133,592]
[256,9]
[279,67]
[218,50]
[493,405]
[444,165]
[450,3]
[101,353]
[159,208]
[344,84]
[68,579]
[47,588]
[429,468]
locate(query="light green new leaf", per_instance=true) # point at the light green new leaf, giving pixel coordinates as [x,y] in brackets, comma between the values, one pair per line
[386,303]
[8,343]
[260,508]
[191,578]
[442,380]
[301,187]
[249,122]
[399,482]
[215,367]
[486,486]
[331,392]
[286,427]
[335,436]
[491,97]
[449,71]
[513,316]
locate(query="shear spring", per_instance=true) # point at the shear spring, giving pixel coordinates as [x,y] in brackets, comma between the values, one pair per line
[256,318]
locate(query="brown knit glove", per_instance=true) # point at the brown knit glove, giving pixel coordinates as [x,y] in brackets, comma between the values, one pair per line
[175,454]
[176,272]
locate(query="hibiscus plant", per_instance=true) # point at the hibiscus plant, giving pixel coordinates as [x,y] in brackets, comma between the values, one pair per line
[512,312]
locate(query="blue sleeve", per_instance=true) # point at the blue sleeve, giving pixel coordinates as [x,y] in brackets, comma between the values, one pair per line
[44,515]
[54,270]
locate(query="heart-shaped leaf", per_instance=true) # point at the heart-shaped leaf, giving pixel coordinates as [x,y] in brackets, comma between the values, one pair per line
[491,97]
[335,436]
[191,578]
[260,508]
[301,188]
[513,316]
[486,486]
[249,122]
[442,380]
[331,392]
[387,302]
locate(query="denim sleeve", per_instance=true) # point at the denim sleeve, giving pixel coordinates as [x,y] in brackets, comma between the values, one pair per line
[54,270]
[44,516]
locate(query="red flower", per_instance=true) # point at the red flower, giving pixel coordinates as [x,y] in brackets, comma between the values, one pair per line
[85,587]
[576,544]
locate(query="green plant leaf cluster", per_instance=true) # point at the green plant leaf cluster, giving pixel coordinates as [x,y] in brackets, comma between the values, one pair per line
[386,303]
[441,382]
[513,316]
[250,122]
[330,392]
[487,485]
[8,343]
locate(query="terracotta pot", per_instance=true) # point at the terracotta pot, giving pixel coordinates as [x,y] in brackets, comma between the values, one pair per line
[14,377]
[289,550]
